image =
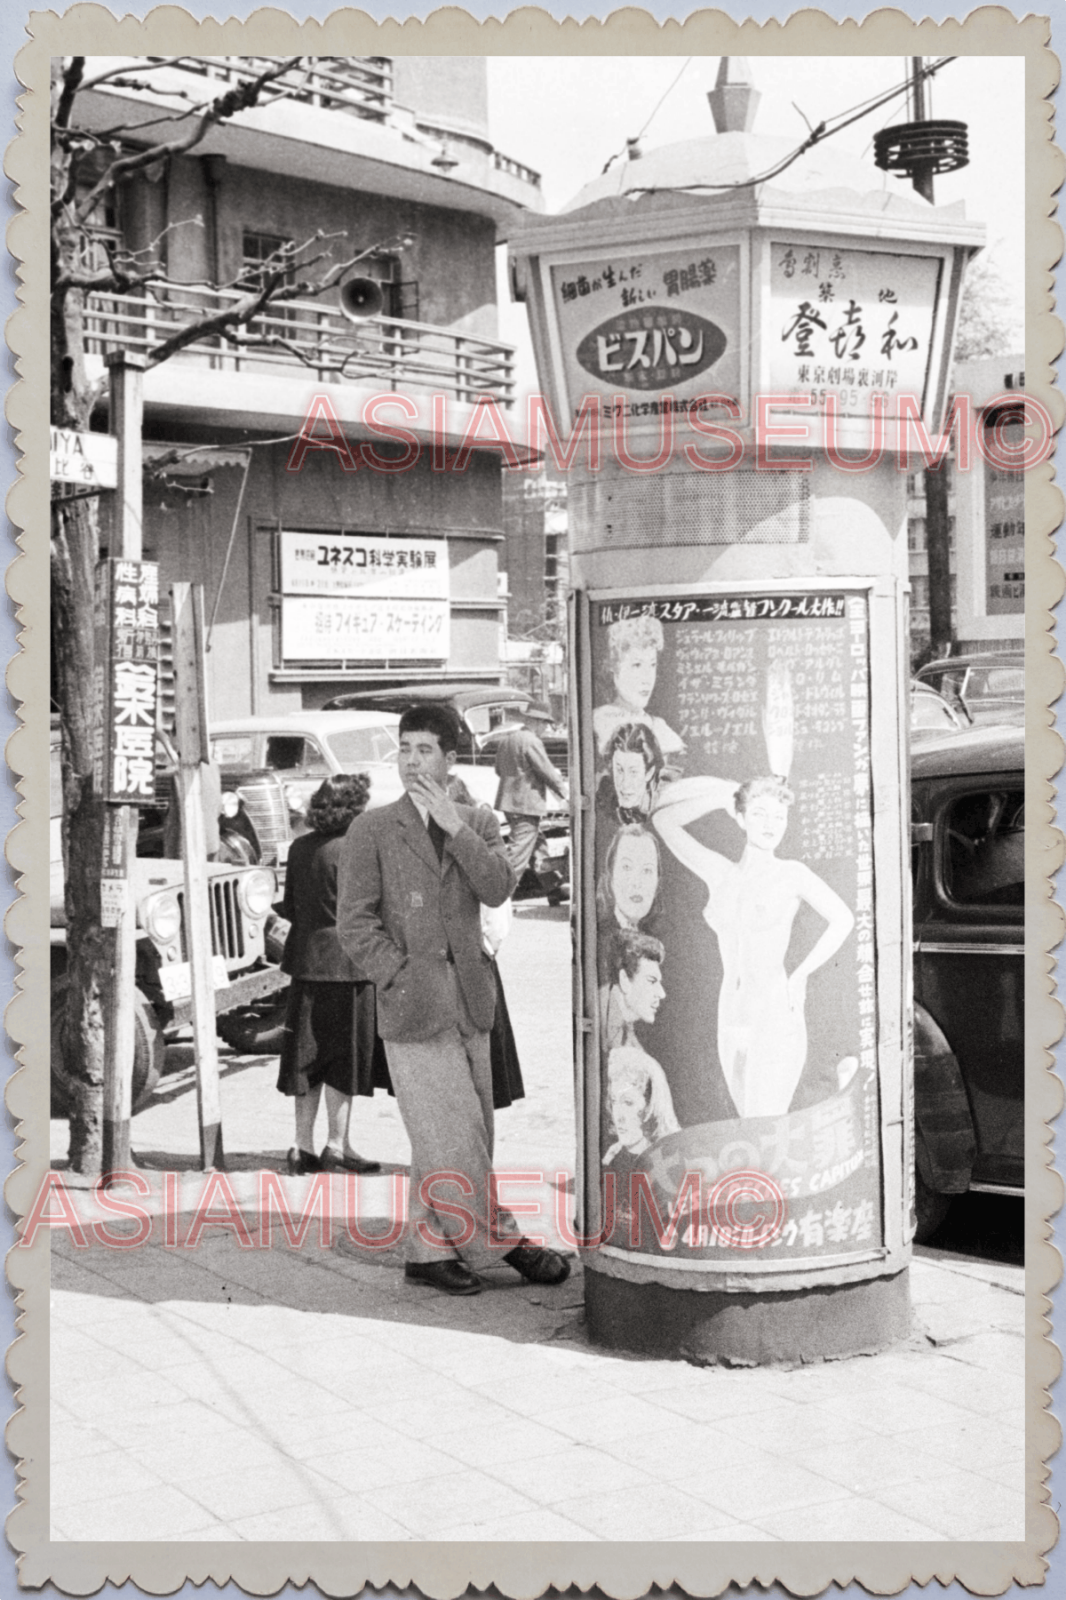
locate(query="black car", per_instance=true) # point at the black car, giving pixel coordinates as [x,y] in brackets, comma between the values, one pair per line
[968,801]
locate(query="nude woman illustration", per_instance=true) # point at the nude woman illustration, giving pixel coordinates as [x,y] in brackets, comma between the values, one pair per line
[751,907]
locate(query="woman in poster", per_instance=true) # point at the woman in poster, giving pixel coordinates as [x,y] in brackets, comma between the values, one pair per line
[751,907]
[634,767]
[627,890]
[639,1106]
[633,648]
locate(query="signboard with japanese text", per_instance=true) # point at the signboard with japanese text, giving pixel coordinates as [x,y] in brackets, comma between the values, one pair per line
[650,331]
[346,629]
[87,459]
[734,952]
[126,686]
[1005,532]
[850,323]
[362,565]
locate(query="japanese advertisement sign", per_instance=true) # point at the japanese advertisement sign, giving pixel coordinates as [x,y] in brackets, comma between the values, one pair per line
[364,630]
[850,323]
[651,331]
[87,459]
[735,964]
[1005,533]
[354,564]
[126,613]
[355,597]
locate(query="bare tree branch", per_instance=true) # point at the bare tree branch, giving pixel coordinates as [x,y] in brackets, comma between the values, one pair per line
[72,76]
[148,66]
[239,98]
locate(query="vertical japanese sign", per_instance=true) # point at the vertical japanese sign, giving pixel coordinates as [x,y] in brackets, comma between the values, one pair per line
[1005,532]
[127,680]
[634,325]
[850,323]
[735,927]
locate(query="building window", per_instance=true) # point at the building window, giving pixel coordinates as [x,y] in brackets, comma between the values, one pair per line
[551,559]
[920,592]
[258,250]
[915,533]
[400,298]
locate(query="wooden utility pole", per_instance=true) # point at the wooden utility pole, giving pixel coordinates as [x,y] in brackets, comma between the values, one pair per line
[937,519]
[120,832]
[191,738]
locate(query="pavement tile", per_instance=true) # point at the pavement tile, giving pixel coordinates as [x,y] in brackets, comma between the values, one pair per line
[188,1457]
[788,1430]
[892,1409]
[138,1394]
[958,1504]
[70,1440]
[605,1420]
[968,1386]
[434,1420]
[660,1512]
[865,1466]
[761,1487]
[538,1524]
[77,1483]
[332,1521]
[572,1470]
[360,1468]
[229,1496]
[514,1440]
[159,1512]
[984,1447]
[677,1447]
[337,1433]
[714,1400]
[430,1507]
[731,1533]
[861,1521]
[545,1391]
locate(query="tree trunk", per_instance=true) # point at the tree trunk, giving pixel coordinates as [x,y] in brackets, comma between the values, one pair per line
[75,544]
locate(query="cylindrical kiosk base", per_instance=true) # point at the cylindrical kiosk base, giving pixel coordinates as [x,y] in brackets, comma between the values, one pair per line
[715,1328]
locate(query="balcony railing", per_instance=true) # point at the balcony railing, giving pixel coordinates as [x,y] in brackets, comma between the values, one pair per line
[304,336]
[359,85]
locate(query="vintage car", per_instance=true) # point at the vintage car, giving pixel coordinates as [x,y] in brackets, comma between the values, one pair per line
[968,846]
[931,715]
[244,935]
[988,687]
[303,747]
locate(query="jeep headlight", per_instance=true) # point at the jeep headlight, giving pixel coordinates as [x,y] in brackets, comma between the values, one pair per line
[162,918]
[256,892]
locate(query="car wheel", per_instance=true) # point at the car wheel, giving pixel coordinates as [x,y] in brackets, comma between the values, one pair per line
[252,1032]
[930,1207]
[149,1051]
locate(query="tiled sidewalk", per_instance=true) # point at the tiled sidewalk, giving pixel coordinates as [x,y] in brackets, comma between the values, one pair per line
[254,1394]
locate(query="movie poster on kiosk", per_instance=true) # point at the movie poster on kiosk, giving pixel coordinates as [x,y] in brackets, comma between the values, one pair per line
[732,840]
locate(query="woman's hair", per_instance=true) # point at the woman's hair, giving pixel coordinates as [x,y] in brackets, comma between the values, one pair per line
[630,1066]
[630,736]
[604,894]
[777,788]
[337,801]
[633,633]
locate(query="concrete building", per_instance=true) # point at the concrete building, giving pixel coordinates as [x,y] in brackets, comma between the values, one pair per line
[336,567]
[536,559]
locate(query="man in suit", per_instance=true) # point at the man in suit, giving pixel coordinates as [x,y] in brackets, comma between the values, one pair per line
[526,774]
[412,879]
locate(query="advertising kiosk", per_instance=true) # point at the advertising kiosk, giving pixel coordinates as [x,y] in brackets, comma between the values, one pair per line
[736,355]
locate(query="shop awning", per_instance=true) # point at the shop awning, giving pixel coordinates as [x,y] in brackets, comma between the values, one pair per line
[191,460]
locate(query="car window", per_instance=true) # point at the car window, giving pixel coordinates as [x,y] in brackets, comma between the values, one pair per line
[929,711]
[984,856]
[354,745]
[292,752]
[233,749]
[996,681]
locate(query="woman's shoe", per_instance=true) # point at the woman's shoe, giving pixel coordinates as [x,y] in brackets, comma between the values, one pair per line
[298,1162]
[336,1161]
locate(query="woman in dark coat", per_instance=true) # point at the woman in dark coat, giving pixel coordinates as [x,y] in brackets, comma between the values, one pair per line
[330,1029]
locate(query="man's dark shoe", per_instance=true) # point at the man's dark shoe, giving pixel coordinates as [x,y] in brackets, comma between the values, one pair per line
[538,1265]
[299,1162]
[336,1161]
[450,1277]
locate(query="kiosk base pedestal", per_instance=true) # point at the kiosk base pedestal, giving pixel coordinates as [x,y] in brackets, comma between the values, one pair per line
[748,1329]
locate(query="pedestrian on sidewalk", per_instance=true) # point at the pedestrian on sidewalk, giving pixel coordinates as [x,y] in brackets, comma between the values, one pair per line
[526,774]
[330,1038]
[413,878]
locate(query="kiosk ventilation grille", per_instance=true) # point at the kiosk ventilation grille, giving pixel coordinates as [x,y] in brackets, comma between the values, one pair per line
[747,507]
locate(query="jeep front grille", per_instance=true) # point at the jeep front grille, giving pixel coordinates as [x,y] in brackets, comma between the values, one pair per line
[227,921]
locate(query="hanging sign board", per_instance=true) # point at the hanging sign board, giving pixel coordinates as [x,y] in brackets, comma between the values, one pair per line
[351,564]
[364,630]
[126,687]
[732,844]
[114,872]
[850,323]
[87,459]
[1005,533]
[649,330]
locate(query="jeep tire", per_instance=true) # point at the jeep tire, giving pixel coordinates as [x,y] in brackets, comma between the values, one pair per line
[149,1051]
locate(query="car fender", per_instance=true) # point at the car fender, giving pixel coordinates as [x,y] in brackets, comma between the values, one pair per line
[945,1139]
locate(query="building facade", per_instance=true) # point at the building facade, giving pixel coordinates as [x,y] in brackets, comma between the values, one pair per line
[360,554]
